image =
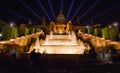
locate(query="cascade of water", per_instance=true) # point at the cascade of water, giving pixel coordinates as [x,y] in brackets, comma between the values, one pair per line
[37,45]
[69,35]
[51,34]
[74,39]
[69,39]
[60,31]
[58,44]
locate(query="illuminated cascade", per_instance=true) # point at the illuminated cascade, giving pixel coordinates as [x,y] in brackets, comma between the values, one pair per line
[69,39]
[60,44]
[37,45]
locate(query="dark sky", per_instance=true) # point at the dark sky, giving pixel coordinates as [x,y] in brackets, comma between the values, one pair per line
[99,11]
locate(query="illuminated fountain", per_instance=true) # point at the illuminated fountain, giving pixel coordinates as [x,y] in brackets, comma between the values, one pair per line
[60,44]
[37,45]
[61,40]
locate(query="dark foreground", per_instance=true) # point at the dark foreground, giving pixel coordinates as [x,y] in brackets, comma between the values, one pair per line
[58,64]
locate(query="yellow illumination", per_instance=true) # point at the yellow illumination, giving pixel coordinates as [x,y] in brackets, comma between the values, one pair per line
[2,42]
[59,44]
[12,39]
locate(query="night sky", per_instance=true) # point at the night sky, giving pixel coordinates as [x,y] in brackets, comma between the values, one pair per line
[98,11]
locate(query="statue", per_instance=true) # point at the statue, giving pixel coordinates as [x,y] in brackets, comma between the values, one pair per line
[67,26]
[54,28]
[52,25]
[43,21]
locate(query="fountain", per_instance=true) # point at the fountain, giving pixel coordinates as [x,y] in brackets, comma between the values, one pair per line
[60,44]
[37,45]
[68,39]
[61,40]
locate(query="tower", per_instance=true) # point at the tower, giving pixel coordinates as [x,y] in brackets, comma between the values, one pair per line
[29,23]
[43,21]
[78,20]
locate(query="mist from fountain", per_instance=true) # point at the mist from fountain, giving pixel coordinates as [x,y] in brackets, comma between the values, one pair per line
[60,44]
[69,39]
[37,45]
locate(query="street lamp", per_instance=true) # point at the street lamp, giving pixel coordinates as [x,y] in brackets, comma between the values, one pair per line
[0,36]
[116,24]
[11,24]
[110,26]
[87,26]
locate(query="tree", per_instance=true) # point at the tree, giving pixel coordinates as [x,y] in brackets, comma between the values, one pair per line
[97,32]
[90,30]
[9,33]
[2,25]
[23,31]
[110,33]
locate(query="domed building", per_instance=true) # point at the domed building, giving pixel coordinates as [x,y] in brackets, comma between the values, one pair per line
[61,18]
[60,26]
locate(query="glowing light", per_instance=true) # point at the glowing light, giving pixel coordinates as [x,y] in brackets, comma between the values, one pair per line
[18,38]
[102,38]
[110,26]
[59,44]
[23,36]
[11,24]
[87,26]
[61,39]
[12,39]
[32,11]
[61,49]
[60,31]
[116,24]
[49,1]
[70,7]
[88,10]
[79,31]
[40,4]
[0,34]
[2,42]
[41,30]
[81,4]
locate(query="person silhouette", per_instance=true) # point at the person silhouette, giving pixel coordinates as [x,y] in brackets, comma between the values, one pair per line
[35,57]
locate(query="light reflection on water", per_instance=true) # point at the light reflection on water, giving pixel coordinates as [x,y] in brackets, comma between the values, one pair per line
[60,44]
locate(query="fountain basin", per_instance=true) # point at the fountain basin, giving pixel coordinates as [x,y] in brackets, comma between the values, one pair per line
[61,49]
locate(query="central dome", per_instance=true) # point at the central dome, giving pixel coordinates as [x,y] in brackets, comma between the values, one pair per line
[61,18]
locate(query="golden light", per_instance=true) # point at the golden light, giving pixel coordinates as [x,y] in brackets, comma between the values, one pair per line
[12,40]
[2,42]
[60,44]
